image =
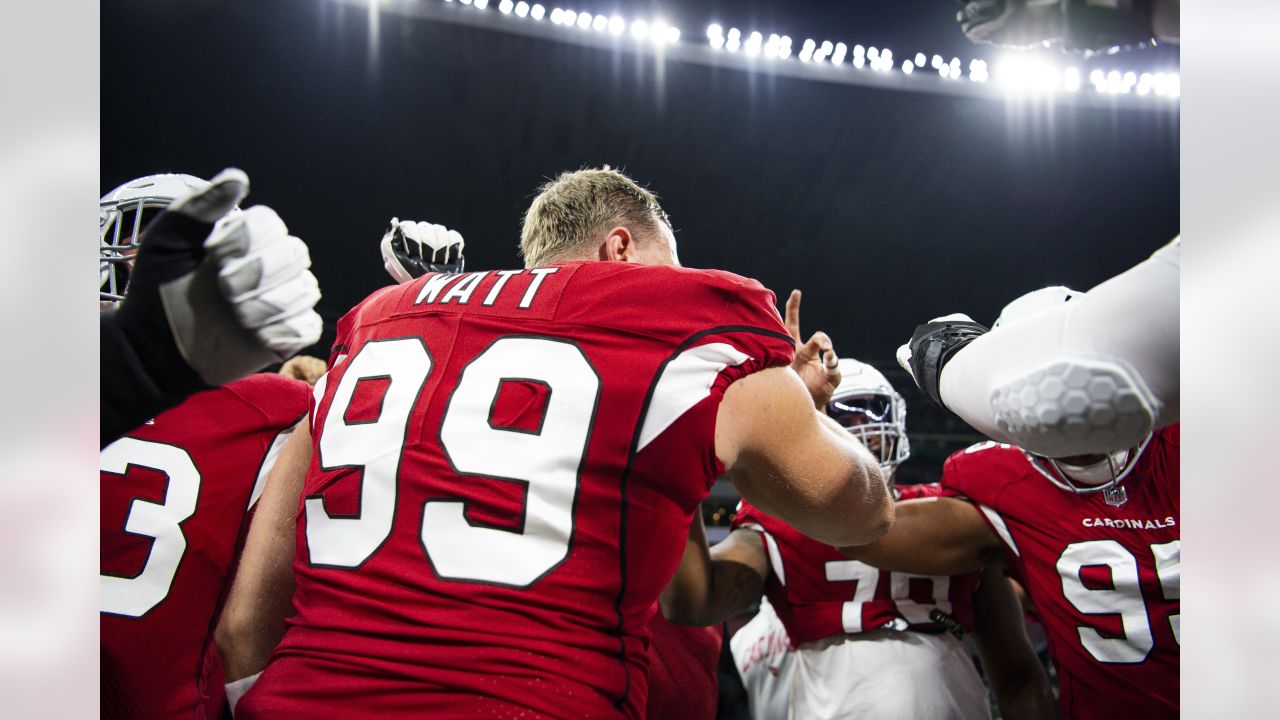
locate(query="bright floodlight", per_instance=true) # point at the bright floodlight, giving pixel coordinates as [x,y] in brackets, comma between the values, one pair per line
[734,41]
[617,25]
[945,71]
[1096,77]
[859,51]
[714,30]
[1130,78]
[873,53]
[506,6]
[920,59]
[840,51]
[1071,79]
[600,23]
[522,8]
[908,67]
[466,2]
[859,61]
[537,11]
[568,17]
[482,4]
[673,34]
[717,42]
[584,20]
[936,63]
[639,29]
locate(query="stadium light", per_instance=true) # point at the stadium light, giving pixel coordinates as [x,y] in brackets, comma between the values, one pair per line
[506,6]
[584,20]
[537,11]
[617,25]
[639,29]
[838,57]
[907,67]
[522,9]
[920,60]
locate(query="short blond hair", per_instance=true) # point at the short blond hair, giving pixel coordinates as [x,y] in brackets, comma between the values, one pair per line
[570,213]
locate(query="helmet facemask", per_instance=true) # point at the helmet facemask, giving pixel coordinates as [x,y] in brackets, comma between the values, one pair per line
[1104,476]
[878,420]
[123,216]
[121,226]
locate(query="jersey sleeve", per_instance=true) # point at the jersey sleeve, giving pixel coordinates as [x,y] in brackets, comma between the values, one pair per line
[1089,376]
[281,400]
[727,328]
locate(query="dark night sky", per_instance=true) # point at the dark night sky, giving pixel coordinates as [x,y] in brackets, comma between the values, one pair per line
[887,208]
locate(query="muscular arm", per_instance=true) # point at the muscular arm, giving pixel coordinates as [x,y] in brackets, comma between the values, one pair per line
[252,621]
[712,585]
[1122,334]
[789,464]
[933,536]
[1014,672]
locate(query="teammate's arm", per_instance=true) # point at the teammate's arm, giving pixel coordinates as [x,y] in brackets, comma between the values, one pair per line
[252,621]
[714,584]
[1011,667]
[790,465]
[933,536]
[1121,337]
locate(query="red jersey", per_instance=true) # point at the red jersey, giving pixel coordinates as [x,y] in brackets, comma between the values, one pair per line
[174,497]
[1104,578]
[505,468]
[818,593]
[682,670]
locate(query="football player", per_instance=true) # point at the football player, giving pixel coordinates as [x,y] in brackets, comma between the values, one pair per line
[1096,374]
[1093,539]
[175,495]
[213,294]
[682,659]
[869,643]
[501,467]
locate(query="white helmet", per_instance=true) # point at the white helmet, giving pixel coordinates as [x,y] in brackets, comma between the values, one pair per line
[1105,474]
[122,214]
[871,410]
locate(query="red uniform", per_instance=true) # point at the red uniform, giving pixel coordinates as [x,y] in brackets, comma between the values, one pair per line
[506,466]
[174,497]
[682,670]
[818,593]
[1104,579]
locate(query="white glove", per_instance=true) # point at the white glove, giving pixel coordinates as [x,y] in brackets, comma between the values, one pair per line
[405,249]
[263,272]
[250,302]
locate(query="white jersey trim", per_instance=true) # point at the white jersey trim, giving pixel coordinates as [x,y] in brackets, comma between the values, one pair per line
[684,382]
[998,524]
[268,462]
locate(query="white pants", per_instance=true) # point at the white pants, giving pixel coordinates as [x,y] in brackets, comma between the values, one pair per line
[887,675]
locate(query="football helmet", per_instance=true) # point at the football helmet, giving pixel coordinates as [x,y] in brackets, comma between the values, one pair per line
[1105,474]
[122,215]
[868,407]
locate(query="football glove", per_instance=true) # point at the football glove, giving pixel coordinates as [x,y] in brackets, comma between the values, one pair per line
[932,345]
[412,249]
[232,291]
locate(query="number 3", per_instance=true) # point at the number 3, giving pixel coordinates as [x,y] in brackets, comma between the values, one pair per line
[547,462]
[135,596]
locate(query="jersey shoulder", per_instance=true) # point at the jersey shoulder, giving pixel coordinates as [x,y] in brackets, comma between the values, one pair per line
[695,298]
[280,399]
[982,472]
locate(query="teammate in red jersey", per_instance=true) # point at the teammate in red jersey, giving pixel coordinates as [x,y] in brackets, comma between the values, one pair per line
[862,635]
[505,464]
[682,670]
[175,493]
[1102,568]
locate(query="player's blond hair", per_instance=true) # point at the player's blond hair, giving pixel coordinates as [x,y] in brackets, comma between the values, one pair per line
[570,214]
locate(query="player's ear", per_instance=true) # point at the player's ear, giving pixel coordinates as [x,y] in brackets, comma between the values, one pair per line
[618,245]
